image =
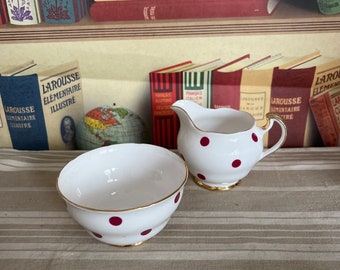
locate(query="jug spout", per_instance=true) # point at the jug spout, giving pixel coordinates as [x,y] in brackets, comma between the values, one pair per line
[186,111]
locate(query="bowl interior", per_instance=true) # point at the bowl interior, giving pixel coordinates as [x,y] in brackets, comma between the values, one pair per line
[122,177]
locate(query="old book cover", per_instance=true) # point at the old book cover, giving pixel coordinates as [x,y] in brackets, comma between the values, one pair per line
[129,10]
[326,111]
[165,89]
[8,70]
[290,92]
[3,12]
[25,12]
[197,83]
[226,83]
[64,11]
[326,76]
[43,106]
[225,89]
[256,84]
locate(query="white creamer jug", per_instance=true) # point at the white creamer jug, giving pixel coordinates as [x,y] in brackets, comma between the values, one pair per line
[221,146]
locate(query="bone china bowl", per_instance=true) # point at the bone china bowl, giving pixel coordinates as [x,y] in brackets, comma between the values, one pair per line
[123,194]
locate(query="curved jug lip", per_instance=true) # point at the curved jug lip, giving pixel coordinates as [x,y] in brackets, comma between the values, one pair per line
[213,120]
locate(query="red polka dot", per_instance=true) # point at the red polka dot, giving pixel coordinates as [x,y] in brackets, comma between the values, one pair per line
[236,163]
[115,221]
[97,235]
[201,176]
[205,141]
[146,232]
[254,137]
[177,197]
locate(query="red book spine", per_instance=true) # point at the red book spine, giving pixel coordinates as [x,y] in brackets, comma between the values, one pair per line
[326,114]
[174,9]
[3,12]
[226,86]
[225,91]
[165,89]
[290,93]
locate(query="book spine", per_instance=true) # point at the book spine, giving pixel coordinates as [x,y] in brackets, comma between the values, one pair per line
[62,102]
[165,89]
[256,95]
[173,9]
[3,12]
[42,111]
[5,136]
[327,76]
[24,112]
[197,87]
[61,11]
[290,93]
[225,89]
[326,112]
[25,12]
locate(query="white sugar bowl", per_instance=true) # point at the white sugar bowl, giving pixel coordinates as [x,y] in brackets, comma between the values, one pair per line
[123,194]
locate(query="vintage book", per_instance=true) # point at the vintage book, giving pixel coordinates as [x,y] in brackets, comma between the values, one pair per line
[256,84]
[3,12]
[8,70]
[128,10]
[197,83]
[64,11]
[255,91]
[326,76]
[165,89]
[290,92]
[170,84]
[326,73]
[226,83]
[5,136]
[42,106]
[326,111]
[25,12]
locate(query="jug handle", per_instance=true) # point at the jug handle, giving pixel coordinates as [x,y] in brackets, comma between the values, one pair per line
[271,118]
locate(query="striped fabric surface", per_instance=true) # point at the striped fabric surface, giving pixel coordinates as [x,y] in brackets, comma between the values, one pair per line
[284,215]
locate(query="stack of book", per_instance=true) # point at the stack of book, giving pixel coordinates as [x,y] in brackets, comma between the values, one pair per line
[272,84]
[136,10]
[40,106]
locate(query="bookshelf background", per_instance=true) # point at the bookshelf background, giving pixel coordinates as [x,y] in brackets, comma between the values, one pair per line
[115,58]
[289,18]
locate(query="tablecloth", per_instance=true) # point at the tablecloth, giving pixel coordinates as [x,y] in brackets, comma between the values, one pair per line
[284,215]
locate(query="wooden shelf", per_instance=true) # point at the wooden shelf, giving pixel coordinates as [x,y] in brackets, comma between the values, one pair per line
[289,18]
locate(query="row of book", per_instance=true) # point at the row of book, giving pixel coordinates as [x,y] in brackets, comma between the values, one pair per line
[40,106]
[69,11]
[66,11]
[30,12]
[281,84]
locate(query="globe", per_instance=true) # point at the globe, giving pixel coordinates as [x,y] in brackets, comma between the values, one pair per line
[108,125]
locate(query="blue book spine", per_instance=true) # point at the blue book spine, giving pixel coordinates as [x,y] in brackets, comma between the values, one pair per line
[62,11]
[24,112]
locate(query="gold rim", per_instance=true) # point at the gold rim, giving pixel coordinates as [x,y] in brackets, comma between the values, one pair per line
[131,245]
[182,184]
[201,184]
